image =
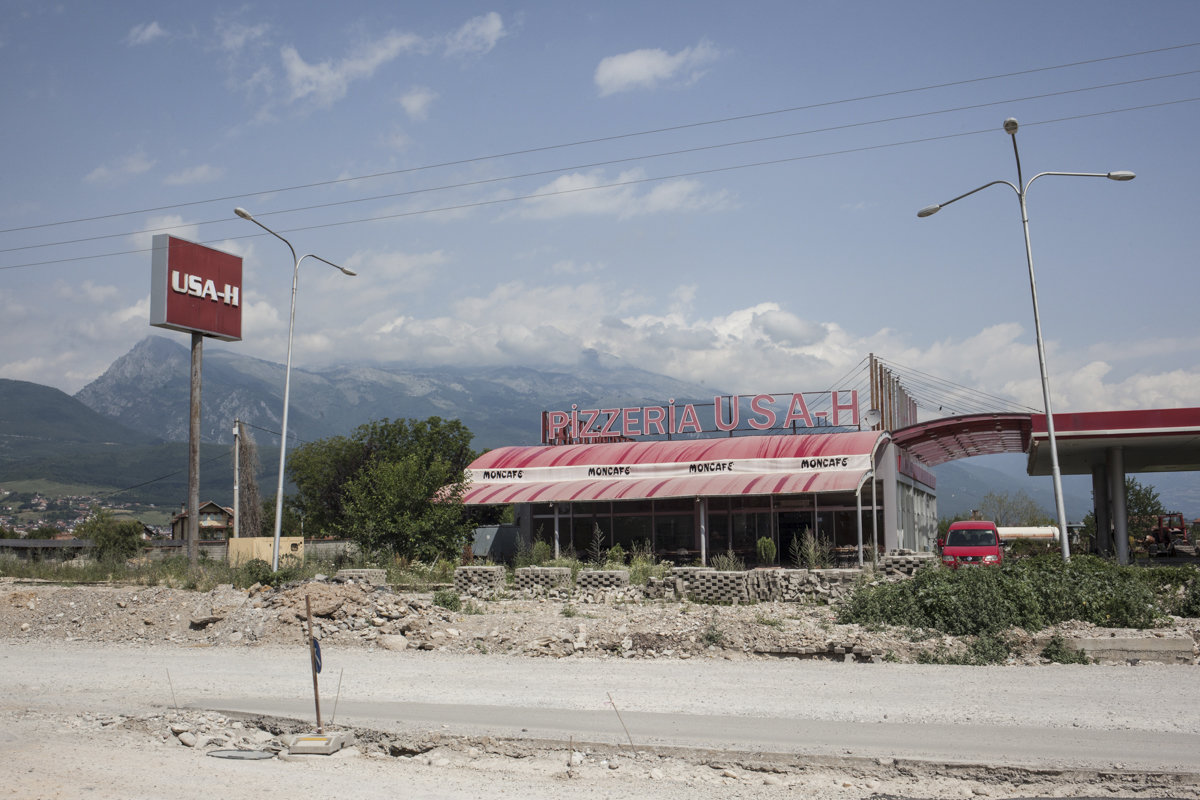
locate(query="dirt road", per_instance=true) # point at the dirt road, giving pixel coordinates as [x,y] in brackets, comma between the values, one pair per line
[85,718]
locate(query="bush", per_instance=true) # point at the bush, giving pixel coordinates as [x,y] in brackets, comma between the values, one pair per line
[727,562]
[1056,651]
[811,551]
[766,550]
[1032,594]
[255,571]
[615,556]
[541,554]
[447,599]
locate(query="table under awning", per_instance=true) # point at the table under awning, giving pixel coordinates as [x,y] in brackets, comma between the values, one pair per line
[727,467]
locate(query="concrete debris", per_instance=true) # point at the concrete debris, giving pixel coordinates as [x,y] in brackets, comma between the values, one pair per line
[365,615]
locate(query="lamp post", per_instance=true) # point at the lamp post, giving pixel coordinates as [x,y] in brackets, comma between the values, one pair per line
[1021,188]
[287,373]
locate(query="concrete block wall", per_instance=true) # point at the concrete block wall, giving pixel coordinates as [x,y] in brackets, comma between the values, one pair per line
[590,580]
[906,562]
[540,579]
[479,581]
[710,586]
[375,577]
[687,574]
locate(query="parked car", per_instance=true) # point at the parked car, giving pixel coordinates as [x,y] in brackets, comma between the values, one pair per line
[972,543]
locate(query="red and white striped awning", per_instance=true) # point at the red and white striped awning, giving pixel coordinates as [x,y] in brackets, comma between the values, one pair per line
[747,465]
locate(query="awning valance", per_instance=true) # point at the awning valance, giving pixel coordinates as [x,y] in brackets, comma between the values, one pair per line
[747,465]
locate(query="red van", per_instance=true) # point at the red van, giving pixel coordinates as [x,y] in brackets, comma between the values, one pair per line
[972,543]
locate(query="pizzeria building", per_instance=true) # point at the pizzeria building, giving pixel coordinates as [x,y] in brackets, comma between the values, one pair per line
[693,480]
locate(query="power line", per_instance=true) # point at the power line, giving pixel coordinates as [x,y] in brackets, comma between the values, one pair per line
[610,162]
[614,137]
[160,477]
[618,184]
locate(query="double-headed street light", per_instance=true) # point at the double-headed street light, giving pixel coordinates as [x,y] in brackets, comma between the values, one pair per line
[1021,188]
[287,373]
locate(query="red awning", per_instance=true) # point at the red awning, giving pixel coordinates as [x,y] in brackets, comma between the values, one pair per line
[747,465]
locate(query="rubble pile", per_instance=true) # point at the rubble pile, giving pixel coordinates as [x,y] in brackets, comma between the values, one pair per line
[612,622]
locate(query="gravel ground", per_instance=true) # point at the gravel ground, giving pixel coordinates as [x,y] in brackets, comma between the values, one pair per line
[86,710]
[362,616]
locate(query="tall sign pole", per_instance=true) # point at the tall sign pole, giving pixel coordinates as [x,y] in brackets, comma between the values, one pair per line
[195,289]
[193,527]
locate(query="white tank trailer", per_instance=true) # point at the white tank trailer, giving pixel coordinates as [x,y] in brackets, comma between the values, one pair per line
[1039,533]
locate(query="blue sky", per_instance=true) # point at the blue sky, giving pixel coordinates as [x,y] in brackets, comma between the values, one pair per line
[725,193]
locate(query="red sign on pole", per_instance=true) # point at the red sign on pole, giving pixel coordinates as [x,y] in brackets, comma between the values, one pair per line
[196,289]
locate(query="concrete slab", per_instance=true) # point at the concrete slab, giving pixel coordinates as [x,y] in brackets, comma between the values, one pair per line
[1167,649]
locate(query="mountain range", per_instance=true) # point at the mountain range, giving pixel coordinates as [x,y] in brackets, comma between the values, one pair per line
[129,427]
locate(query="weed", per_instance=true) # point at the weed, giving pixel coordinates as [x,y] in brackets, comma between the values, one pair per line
[712,635]
[596,552]
[471,607]
[1057,651]
[811,551]
[569,611]
[447,599]
[727,562]
[771,622]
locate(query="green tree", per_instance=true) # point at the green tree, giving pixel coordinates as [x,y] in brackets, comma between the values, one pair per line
[322,471]
[389,506]
[292,525]
[8,533]
[1013,510]
[112,539]
[1142,507]
[378,486]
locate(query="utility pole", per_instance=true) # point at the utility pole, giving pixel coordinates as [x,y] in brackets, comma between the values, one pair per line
[237,478]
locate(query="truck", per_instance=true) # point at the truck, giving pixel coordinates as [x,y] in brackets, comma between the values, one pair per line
[1169,537]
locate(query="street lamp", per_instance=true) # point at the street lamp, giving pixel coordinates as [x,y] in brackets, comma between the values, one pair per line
[1021,188]
[287,373]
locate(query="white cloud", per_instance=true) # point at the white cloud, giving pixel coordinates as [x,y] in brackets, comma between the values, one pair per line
[134,164]
[581,194]
[144,34]
[236,36]
[201,173]
[327,82]
[477,36]
[416,102]
[649,69]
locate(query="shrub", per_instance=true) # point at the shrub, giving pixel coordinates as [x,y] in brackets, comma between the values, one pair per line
[766,550]
[256,570]
[1032,594]
[727,562]
[712,635]
[541,554]
[1057,651]
[615,555]
[596,552]
[811,551]
[447,599]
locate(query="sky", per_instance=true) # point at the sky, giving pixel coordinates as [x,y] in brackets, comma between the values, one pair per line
[725,193]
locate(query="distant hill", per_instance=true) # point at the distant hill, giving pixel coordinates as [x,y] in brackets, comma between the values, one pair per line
[35,419]
[962,484]
[147,389]
[128,428]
